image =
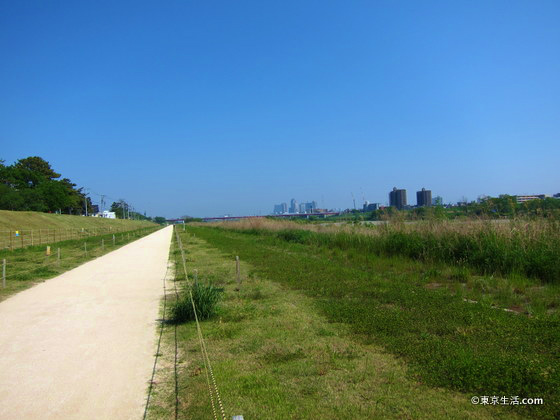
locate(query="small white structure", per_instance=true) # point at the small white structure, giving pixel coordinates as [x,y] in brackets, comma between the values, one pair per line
[106,214]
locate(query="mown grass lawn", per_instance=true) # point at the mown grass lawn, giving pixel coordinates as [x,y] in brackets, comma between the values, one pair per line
[278,354]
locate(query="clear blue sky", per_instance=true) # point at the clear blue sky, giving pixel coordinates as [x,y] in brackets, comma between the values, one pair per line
[207,108]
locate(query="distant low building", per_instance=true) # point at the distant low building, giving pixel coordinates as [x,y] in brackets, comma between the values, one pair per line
[370,206]
[524,198]
[106,214]
[437,201]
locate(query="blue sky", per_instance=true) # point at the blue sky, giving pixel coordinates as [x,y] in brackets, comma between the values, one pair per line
[220,107]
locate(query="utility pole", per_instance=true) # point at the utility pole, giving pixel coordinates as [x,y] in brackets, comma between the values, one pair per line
[85,203]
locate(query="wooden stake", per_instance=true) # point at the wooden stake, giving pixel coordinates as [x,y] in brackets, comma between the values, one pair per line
[4,273]
[58,254]
[238,272]
[85,248]
[48,253]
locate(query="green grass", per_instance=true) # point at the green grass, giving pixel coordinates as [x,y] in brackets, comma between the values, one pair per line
[276,356]
[35,228]
[488,251]
[525,247]
[475,348]
[28,266]
[36,220]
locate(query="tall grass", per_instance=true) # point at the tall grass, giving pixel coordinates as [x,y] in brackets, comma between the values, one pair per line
[529,248]
[205,298]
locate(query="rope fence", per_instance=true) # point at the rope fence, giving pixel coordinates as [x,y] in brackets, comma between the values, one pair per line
[21,238]
[16,267]
[210,378]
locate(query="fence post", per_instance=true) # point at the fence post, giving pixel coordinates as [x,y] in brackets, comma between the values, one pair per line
[85,248]
[238,272]
[58,255]
[103,244]
[31,237]
[4,273]
[113,240]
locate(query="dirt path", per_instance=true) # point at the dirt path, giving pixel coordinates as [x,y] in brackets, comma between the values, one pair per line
[81,345]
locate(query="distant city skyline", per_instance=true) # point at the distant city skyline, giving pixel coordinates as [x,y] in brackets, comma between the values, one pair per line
[206,109]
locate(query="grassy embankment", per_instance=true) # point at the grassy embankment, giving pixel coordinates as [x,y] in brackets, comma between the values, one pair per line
[277,355]
[443,316]
[35,227]
[30,265]
[35,220]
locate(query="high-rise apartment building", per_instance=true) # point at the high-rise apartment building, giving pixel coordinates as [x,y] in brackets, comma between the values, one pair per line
[397,198]
[281,208]
[424,198]
[294,206]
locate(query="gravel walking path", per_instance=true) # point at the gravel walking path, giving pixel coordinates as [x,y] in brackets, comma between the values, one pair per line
[81,345]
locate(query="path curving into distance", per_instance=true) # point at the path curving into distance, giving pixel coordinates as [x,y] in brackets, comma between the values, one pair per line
[81,345]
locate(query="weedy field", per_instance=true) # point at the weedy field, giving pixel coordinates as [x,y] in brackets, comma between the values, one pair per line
[316,331]
[528,248]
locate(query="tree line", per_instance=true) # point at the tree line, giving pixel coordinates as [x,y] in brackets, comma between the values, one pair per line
[504,206]
[31,184]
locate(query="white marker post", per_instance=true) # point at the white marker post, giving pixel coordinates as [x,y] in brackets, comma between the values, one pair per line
[237,269]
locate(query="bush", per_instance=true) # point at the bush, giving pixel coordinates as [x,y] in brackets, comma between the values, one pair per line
[205,297]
